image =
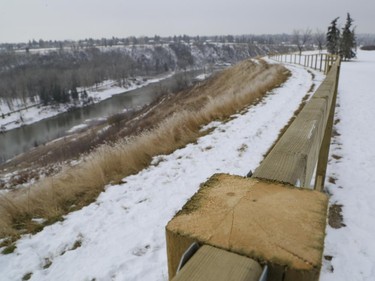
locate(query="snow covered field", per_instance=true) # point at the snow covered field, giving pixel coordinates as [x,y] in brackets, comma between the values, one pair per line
[121,236]
[352,164]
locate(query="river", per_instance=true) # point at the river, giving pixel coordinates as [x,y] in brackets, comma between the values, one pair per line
[16,141]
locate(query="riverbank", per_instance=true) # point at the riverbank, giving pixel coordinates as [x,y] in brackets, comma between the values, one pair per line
[45,157]
[21,140]
[16,113]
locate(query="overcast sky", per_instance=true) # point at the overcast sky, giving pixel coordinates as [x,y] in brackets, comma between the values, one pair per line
[23,20]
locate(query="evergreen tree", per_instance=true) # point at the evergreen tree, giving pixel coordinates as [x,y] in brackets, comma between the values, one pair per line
[65,97]
[84,95]
[74,93]
[56,93]
[44,96]
[333,37]
[347,42]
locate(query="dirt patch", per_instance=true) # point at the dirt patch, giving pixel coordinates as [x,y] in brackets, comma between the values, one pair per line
[335,218]
[329,259]
[332,180]
[336,157]
[335,133]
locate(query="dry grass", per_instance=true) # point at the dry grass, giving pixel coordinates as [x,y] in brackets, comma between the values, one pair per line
[183,116]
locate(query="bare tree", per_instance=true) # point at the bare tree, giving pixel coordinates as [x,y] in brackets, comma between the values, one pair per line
[320,39]
[301,38]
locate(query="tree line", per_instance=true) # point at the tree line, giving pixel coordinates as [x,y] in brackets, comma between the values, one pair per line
[55,76]
[144,40]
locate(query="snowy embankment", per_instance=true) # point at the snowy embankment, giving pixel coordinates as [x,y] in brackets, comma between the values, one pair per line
[121,236]
[21,114]
[352,169]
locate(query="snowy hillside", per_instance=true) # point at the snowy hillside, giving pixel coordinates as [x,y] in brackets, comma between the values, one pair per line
[121,236]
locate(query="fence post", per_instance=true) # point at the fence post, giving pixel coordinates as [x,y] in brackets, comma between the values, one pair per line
[321,62]
[326,64]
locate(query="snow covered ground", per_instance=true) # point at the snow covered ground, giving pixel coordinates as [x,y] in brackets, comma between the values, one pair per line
[121,236]
[35,112]
[352,164]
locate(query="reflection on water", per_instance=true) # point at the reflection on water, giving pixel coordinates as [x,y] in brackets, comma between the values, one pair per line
[19,140]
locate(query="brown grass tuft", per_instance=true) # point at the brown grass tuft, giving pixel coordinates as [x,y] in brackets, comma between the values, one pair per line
[184,115]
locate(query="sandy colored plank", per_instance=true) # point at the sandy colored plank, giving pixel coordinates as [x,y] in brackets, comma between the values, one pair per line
[264,221]
[212,264]
[294,157]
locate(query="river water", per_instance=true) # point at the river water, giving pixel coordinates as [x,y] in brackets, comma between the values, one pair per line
[16,141]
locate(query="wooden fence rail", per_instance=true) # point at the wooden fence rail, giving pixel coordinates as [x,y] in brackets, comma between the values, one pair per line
[303,149]
[243,223]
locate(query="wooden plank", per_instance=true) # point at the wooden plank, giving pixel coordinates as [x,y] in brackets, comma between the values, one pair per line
[177,246]
[294,158]
[213,264]
[324,150]
[271,223]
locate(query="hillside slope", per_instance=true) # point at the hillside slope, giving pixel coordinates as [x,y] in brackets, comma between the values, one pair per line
[121,235]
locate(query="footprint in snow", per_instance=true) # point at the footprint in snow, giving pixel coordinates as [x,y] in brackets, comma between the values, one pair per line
[141,251]
[142,200]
